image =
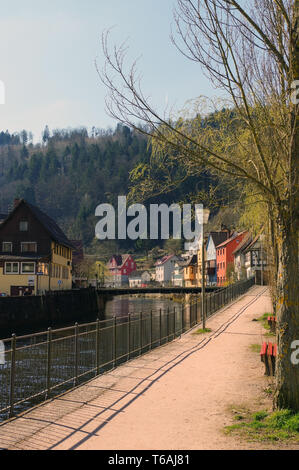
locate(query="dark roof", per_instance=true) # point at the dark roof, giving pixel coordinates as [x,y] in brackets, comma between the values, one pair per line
[219,237]
[164,260]
[244,244]
[253,242]
[192,261]
[49,224]
[120,259]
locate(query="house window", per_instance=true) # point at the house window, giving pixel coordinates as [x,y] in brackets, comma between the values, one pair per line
[28,247]
[28,268]
[11,268]
[65,273]
[23,226]
[7,247]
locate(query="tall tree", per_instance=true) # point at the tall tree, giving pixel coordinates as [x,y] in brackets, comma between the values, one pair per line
[46,135]
[250,51]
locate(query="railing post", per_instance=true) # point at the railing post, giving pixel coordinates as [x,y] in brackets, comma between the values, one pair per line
[129,337]
[151,331]
[12,376]
[114,342]
[182,320]
[76,352]
[49,350]
[174,322]
[98,347]
[160,319]
[140,333]
[167,319]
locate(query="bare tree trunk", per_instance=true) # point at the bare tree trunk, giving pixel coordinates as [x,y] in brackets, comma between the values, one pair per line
[287,373]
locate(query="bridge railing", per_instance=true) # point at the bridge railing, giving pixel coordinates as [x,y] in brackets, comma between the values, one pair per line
[39,366]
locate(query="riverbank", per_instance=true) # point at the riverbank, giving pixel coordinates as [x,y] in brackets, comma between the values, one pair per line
[191,387]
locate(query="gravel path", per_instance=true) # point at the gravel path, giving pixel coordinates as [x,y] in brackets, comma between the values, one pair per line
[178,397]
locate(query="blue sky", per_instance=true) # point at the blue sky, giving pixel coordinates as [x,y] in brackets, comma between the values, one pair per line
[48,50]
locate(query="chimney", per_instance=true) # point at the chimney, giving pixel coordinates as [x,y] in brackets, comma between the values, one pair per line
[16,202]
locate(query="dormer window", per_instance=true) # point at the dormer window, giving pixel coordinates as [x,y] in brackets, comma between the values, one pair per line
[23,226]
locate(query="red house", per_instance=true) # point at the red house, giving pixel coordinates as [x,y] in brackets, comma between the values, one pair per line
[120,267]
[225,257]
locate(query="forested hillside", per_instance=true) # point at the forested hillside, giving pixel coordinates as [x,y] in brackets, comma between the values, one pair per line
[71,172]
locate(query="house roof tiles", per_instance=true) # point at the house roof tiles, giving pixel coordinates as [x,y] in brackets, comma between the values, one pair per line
[226,242]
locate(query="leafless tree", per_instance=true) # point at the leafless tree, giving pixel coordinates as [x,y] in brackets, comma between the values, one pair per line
[250,51]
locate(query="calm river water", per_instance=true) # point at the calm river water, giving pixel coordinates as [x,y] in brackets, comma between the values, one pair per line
[122,306]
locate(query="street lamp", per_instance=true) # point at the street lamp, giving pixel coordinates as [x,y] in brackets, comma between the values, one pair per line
[206,215]
[262,238]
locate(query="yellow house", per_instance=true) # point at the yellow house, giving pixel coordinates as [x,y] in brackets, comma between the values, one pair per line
[199,265]
[35,255]
[190,269]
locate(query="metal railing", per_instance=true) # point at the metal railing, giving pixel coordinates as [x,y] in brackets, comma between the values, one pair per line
[39,366]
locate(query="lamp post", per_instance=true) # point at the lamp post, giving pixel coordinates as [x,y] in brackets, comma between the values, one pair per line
[262,238]
[206,215]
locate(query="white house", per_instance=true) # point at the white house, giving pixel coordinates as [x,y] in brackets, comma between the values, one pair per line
[250,259]
[165,268]
[178,274]
[240,258]
[139,279]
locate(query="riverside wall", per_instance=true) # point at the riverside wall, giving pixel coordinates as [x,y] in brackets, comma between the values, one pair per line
[54,309]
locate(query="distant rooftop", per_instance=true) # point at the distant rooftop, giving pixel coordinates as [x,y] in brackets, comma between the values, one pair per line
[235,235]
[164,260]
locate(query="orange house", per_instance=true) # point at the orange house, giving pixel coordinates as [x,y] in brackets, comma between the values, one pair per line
[225,257]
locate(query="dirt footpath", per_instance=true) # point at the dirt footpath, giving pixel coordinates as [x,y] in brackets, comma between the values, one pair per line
[178,397]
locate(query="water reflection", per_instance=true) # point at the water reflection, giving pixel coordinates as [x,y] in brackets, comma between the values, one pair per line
[122,306]
[2,353]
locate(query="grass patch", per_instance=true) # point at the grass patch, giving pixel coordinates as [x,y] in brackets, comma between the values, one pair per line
[255,348]
[280,425]
[202,331]
[264,320]
[269,391]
